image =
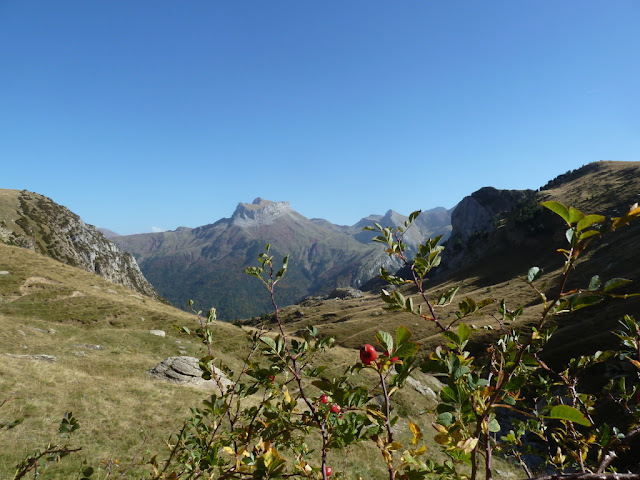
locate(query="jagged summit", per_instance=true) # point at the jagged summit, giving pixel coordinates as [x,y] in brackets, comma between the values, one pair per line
[260,211]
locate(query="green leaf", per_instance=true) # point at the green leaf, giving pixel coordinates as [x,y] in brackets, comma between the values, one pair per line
[269,342]
[588,221]
[407,349]
[615,283]
[385,340]
[414,215]
[467,306]
[402,335]
[565,412]
[533,274]
[487,301]
[452,336]
[595,283]
[578,302]
[494,426]
[558,209]
[447,297]
[575,215]
[464,332]
[515,384]
[445,419]
[589,233]
[448,394]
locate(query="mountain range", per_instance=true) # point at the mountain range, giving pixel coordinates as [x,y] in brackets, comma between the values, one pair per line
[96,335]
[205,264]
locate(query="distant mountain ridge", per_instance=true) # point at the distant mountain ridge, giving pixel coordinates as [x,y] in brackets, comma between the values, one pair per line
[206,263]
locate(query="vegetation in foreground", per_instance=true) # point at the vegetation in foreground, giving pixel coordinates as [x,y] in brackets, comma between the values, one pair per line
[283,416]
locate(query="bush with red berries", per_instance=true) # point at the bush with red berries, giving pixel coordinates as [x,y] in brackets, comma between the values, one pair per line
[551,419]
[507,403]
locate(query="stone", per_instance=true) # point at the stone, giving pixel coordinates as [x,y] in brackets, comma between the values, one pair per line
[159,333]
[88,346]
[345,293]
[4,272]
[42,357]
[185,370]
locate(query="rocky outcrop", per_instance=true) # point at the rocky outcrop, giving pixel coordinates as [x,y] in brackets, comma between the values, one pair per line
[186,371]
[345,293]
[473,221]
[475,214]
[42,225]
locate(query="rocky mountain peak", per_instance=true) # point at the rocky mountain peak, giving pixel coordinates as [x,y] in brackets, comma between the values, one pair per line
[260,212]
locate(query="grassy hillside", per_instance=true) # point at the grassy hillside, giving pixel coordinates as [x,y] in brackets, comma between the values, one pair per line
[50,308]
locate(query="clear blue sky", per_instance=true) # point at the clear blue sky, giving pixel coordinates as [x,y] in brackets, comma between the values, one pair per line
[156,114]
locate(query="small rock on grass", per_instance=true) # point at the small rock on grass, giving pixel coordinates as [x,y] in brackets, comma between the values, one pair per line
[42,357]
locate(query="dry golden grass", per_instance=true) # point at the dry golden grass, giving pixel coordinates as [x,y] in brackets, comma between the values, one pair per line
[117,403]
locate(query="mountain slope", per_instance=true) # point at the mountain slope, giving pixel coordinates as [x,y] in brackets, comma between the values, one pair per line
[206,263]
[99,334]
[36,222]
[521,235]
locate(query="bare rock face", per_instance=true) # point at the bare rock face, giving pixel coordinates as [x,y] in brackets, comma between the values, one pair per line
[474,219]
[42,225]
[185,371]
[474,214]
[260,212]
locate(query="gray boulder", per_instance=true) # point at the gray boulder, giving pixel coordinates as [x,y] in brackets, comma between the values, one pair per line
[345,293]
[186,371]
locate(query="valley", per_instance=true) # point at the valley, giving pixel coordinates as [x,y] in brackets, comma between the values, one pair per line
[96,330]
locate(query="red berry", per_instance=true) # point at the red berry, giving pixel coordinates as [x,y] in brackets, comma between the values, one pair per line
[324,398]
[394,359]
[368,354]
[272,378]
[328,471]
[335,408]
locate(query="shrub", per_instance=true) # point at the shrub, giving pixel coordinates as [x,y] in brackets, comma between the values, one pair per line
[283,412]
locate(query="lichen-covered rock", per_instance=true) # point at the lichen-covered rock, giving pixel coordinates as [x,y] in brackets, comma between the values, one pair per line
[184,370]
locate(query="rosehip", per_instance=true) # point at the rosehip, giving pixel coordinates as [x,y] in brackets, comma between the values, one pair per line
[328,471]
[324,398]
[272,378]
[335,408]
[368,354]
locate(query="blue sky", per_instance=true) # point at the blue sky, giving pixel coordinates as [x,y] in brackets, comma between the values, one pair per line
[157,114]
